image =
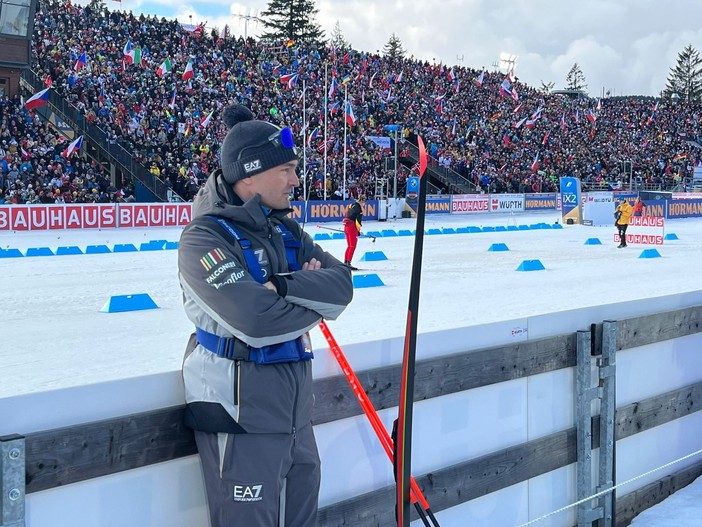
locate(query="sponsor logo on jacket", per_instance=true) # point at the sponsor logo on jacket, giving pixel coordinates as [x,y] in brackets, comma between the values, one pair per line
[248,492]
[212,258]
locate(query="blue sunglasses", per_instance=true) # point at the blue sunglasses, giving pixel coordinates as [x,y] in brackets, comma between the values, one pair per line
[282,138]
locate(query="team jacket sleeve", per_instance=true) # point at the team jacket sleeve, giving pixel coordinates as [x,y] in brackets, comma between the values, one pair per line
[326,291]
[222,297]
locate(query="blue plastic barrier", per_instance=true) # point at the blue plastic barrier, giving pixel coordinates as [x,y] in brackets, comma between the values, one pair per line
[531,265]
[388,232]
[39,251]
[671,236]
[122,303]
[11,253]
[593,241]
[366,280]
[124,248]
[97,249]
[495,247]
[650,253]
[70,249]
[170,246]
[374,256]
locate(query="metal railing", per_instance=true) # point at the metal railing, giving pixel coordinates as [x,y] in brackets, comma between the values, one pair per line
[112,151]
[456,183]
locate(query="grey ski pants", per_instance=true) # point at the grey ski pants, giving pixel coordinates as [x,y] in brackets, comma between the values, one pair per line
[254,471]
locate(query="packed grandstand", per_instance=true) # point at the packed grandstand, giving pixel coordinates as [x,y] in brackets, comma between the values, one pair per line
[158,89]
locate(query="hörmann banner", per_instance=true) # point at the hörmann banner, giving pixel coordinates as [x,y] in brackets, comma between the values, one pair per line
[541,201]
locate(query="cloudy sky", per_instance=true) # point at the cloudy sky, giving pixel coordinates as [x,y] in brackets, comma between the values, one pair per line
[622,46]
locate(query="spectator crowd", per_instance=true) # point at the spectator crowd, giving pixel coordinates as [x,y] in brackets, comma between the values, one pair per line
[497,132]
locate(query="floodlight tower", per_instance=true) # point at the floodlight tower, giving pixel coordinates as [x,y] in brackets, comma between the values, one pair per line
[256,18]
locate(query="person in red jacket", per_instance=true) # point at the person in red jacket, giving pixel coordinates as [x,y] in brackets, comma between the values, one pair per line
[352,228]
[638,207]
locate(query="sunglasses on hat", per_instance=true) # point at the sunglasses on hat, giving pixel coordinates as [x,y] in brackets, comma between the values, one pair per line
[282,138]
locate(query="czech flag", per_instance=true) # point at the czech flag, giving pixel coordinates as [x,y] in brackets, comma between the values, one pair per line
[38,100]
[313,136]
[535,164]
[72,148]
[350,117]
[81,62]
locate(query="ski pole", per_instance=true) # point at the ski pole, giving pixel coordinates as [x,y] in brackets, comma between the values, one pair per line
[341,230]
[374,419]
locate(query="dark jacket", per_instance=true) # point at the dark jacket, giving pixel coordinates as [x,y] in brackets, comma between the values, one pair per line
[221,297]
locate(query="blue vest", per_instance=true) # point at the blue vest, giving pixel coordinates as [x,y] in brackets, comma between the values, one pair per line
[295,350]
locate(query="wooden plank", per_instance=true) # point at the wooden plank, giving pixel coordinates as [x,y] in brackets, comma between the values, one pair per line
[660,409]
[451,486]
[650,329]
[632,504]
[445,375]
[68,455]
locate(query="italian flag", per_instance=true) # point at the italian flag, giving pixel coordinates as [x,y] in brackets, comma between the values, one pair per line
[133,56]
[188,73]
[164,68]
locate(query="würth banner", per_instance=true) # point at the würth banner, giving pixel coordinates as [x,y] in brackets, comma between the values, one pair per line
[93,216]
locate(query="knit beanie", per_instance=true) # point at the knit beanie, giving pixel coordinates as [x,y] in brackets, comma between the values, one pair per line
[251,146]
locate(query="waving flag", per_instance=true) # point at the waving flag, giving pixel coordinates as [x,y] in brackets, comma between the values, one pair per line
[456,85]
[440,106]
[479,81]
[530,123]
[505,138]
[289,79]
[333,108]
[313,136]
[38,100]
[398,79]
[127,47]
[515,95]
[450,74]
[335,85]
[519,123]
[350,117]
[81,62]
[516,110]
[535,164]
[653,115]
[576,115]
[505,88]
[133,56]
[453,128]
[599,104]
[173,99]
[591,116]
[164,68]
[188,73]
[545,139]
[370,82]
[206,120]
[72,148]
[564,126]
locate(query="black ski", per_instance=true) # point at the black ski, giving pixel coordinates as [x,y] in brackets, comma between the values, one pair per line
[403,445]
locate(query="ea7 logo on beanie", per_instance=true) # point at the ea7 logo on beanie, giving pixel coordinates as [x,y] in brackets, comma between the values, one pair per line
[252,166]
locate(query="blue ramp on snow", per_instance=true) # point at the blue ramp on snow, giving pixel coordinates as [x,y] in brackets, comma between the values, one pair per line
[122,303]
[374,256]
[39,251]
[68,249]
[366,280]
[531,265]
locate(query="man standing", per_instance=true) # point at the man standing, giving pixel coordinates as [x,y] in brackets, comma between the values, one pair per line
[622,214]
[352,228]
[254,283]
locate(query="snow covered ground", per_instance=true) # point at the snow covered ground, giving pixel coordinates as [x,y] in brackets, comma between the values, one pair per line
[54,335]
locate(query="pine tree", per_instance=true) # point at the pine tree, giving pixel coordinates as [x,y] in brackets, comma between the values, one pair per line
[685,78]
[292,20]
[337,40]
[575,80]
[393,49]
